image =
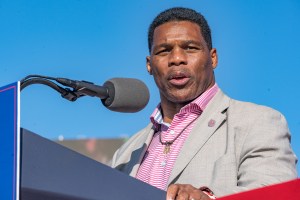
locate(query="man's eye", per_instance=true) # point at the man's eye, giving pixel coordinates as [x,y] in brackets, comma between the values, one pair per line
[162,51]
[192,48]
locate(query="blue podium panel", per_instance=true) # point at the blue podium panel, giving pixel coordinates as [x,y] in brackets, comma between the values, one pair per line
[9,142]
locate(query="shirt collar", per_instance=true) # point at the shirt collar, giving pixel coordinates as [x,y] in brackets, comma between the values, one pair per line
[197,106]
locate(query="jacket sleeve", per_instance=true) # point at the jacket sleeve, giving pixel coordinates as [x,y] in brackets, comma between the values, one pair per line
[264,155]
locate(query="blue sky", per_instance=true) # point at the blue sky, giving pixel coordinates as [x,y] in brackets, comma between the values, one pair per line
[257,42]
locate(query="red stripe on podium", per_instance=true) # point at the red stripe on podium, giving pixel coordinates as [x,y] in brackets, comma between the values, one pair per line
[288,190]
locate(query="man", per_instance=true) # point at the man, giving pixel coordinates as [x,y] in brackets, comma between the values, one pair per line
[201,143]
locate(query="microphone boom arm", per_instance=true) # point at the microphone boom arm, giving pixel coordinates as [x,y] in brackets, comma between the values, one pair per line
[71,95]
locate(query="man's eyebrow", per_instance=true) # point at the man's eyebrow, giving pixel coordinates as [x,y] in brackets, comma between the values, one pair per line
[187,42]
[165,44]
[183,43]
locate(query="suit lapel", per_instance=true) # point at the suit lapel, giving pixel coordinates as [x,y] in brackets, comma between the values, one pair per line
[140,152]
[205,126]
[132,154]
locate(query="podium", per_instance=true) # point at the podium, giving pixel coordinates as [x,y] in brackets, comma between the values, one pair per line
[51,171]
[35,168]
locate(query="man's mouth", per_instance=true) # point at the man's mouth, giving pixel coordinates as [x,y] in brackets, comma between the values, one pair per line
[178,79]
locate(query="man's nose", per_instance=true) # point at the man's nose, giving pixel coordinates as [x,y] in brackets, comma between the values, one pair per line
[177,57]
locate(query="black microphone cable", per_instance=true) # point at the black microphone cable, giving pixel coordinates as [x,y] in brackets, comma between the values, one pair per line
[67,93]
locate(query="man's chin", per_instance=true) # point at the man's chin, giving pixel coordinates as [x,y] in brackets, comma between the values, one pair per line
[182,99]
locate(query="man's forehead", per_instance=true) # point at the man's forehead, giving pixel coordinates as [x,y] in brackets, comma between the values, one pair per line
[181,30]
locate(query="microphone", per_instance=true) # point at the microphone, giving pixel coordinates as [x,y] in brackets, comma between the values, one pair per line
[117,94]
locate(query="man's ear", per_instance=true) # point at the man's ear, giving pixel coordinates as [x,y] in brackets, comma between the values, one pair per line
[148,65]
[214,57]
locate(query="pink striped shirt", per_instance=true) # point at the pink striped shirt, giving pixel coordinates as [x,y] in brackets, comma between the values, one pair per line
[156,166]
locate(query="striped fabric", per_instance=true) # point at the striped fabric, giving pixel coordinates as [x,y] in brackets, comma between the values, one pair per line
[156,166]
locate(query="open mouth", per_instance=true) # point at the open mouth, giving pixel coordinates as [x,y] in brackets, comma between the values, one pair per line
[178,79]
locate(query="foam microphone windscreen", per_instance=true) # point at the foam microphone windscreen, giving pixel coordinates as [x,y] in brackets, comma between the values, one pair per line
[126,95]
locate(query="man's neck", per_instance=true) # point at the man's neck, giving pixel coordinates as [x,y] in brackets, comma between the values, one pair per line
[169,110]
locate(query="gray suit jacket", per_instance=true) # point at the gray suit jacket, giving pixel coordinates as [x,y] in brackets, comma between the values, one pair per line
[247,147]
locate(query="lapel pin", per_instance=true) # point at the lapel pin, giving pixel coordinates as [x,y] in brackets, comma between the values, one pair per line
[211,123]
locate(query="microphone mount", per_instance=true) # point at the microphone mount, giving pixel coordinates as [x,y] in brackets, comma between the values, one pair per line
[68,93]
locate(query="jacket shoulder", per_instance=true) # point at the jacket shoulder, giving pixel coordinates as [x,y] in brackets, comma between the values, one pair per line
[253,111]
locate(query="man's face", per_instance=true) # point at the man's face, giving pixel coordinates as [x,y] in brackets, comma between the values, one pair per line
[180,62]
